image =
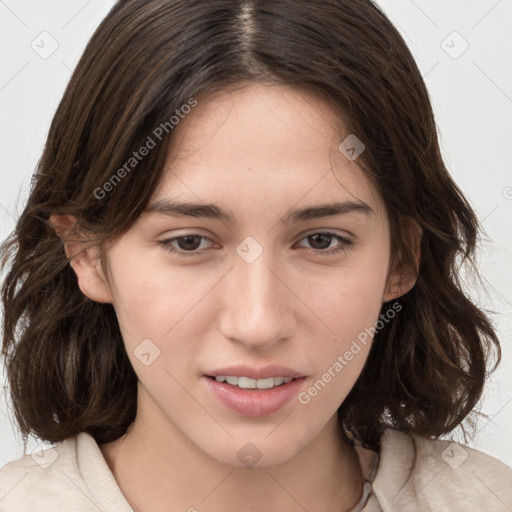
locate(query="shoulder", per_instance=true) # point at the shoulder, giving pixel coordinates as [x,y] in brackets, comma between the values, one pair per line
[41,478]
[71,475]
[416,473]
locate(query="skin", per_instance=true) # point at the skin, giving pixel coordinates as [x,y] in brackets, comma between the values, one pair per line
[259,152]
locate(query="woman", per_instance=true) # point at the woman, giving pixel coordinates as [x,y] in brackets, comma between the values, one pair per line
[237,274]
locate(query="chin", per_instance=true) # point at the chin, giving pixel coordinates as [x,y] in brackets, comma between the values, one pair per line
[254,452]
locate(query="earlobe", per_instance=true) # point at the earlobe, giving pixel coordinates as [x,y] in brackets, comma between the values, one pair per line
[399,284]
[402,279]
[83,259]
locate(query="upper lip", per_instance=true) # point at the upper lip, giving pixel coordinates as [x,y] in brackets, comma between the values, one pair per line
[273,370]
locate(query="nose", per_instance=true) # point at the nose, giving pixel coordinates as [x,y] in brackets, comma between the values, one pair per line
[258,306]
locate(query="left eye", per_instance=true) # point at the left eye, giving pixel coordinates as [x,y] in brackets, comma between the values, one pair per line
[188,245]
[322,237]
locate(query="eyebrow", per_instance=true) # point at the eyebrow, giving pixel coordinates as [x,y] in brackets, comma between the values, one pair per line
[212,211]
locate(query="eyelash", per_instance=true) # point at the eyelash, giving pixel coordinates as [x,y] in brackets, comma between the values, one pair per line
[345,244]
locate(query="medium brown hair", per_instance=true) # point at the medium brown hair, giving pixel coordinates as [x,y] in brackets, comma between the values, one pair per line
[66,363]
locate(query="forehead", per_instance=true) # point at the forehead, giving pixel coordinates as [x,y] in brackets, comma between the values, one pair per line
[263,146]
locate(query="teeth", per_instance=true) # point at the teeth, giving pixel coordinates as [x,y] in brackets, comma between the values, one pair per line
[247,383]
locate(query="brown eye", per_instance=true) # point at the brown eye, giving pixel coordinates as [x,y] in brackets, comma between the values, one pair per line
[186,245]
[189,242]
[322,240]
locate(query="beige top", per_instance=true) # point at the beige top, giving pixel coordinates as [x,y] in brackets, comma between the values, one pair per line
[410,474]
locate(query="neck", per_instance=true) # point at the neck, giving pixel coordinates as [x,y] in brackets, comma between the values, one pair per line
[156,465]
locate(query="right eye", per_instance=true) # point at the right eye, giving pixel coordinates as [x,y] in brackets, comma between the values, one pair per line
[187,244]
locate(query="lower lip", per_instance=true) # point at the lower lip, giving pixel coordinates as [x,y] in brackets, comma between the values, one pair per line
[254,402]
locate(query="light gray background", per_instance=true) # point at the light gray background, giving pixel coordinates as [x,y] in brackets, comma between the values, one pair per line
[471,92]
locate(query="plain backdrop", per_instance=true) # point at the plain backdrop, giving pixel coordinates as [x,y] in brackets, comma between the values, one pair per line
[464,52]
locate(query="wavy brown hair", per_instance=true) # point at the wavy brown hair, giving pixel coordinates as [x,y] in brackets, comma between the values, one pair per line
[66,364]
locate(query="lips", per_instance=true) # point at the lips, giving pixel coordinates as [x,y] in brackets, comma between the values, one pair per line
[253,402]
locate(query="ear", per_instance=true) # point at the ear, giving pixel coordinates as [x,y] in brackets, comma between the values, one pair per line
[402,278]
[84,260]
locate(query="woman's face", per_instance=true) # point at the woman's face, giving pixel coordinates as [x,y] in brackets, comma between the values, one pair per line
[253,282]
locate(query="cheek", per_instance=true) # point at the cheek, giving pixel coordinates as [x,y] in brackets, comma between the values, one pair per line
[163,311]
[154,304]
[350,299]
[151,296]
[348,304]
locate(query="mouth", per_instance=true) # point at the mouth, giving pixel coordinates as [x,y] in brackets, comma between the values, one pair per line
[275,371]
[253,384]
[253,397]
